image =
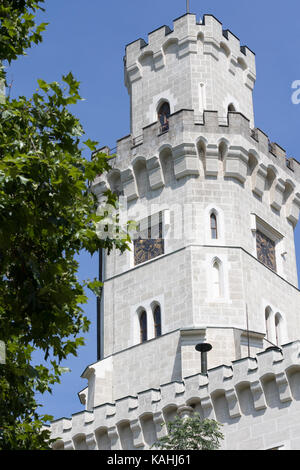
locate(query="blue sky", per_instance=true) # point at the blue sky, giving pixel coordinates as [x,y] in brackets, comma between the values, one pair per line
[88,38]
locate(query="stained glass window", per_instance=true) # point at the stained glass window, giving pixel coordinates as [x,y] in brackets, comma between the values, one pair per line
[149,242]
[265,250]
[157,321]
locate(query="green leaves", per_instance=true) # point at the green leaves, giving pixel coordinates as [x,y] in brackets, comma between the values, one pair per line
[191,434]
[17,28]
[43,85]
[91,144]
[95,286]
[47,216]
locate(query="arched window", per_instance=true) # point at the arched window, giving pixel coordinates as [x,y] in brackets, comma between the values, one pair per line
[213,226]
[143,326]
[202,97]
[163,116]
[268,322]
[278,327]
[270,325]
[231,108]
[157,321]
[216,280]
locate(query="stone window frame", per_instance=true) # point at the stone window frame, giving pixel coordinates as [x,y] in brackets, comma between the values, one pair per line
[276,334]
[220,240]
[202,98]
[155,305]
[157,100]
[217,267]
[164,126]
[163,221]
[143,325]
[214,225]
[224,267]
[147,306]
[260,225]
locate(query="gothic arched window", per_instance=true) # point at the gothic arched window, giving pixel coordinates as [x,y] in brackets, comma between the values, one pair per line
[217,279]
[163,116]
[278,328]
[213,226]
[157,321]
[143,326]
[267,320]
[271,325]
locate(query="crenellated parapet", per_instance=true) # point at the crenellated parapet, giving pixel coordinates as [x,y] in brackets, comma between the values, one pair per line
[186,34]
[231,151]
[270,381]
[179,66]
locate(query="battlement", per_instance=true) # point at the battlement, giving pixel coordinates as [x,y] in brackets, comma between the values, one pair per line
[180,66]
[270,381]
[186,30]
[248,157]
[211,121]
[223,200]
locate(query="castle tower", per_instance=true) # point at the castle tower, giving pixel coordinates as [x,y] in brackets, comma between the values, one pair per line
[225,201]
[213,259]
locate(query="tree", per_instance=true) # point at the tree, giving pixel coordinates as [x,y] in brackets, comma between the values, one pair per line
[47,216]
[191,433]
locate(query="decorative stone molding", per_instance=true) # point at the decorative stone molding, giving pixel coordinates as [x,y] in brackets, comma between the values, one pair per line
[293,210]
[236,163]
[155,173]
[250,80]
[207,406]
[211,47]
[98,188]
[91,441]
[186,31]
[212,160]
[259,180]
[185,411]
[129,185]
[276,197]
[186,160]
[283,387]
[233,404]
[133,73]
[198,389]
[158,59]
[114,438]
[187,45]
[69,445]
[233,65]
[258,395]
[159,421]
[137,433]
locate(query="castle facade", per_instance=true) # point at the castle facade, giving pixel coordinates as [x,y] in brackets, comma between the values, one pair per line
[212,260]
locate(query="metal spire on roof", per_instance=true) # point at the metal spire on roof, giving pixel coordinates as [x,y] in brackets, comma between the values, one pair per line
[187,6]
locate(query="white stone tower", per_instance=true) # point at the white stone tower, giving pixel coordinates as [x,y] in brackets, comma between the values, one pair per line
[217,204]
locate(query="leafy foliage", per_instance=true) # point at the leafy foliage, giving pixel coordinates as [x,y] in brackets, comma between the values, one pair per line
[191,434]
[47,216]
[17,27]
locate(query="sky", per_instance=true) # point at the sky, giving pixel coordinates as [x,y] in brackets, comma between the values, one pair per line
[89,37]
